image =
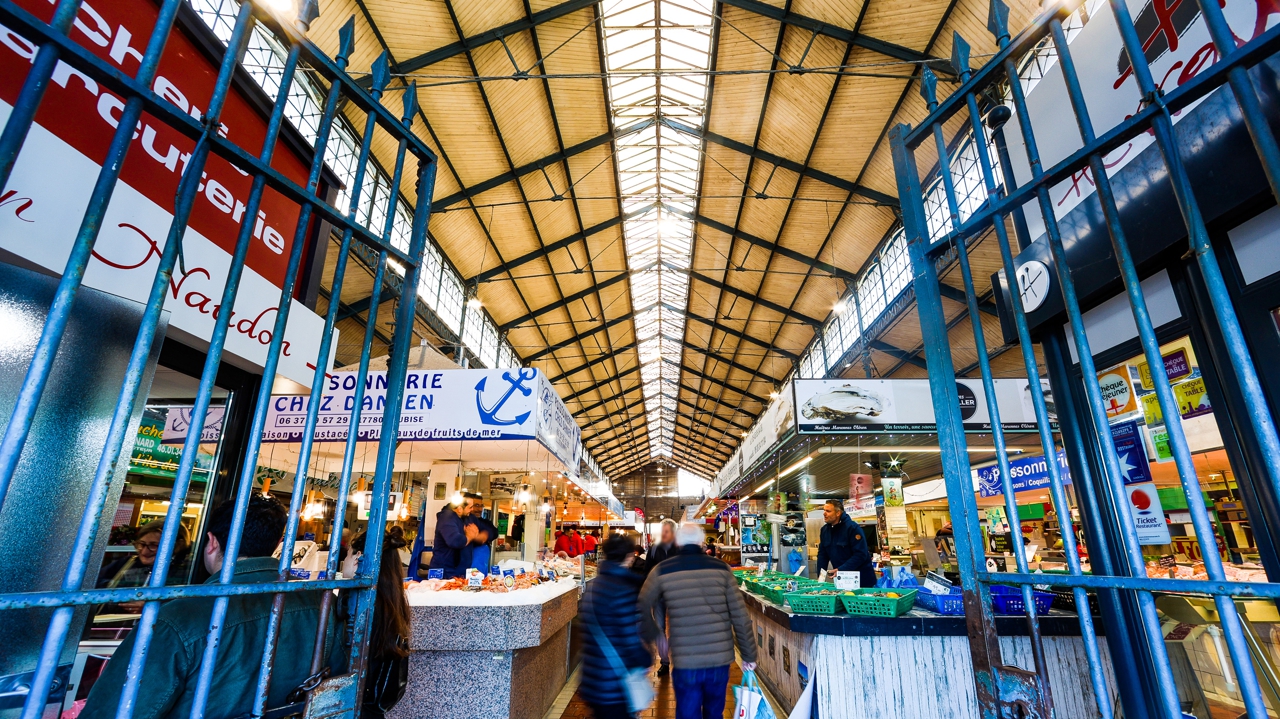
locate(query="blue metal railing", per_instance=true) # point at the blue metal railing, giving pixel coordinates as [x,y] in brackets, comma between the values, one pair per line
[55,47]
[1002,690]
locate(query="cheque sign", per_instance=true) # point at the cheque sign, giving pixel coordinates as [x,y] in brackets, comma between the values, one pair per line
[41,208]
[870,406]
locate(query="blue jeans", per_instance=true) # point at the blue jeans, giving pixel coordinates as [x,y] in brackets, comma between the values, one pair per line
[700,693]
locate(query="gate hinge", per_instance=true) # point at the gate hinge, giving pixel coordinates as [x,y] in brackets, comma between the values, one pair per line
[1019,694]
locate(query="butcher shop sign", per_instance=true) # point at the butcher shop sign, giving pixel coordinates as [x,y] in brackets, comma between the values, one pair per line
[874,406]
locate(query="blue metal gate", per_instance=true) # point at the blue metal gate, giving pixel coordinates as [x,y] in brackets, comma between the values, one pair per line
[989,94]
[55,48]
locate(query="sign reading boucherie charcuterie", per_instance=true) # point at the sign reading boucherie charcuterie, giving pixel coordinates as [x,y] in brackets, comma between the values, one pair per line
[42,206]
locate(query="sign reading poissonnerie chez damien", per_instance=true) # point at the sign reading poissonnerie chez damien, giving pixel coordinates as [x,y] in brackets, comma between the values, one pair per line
[492,404]
[42,206]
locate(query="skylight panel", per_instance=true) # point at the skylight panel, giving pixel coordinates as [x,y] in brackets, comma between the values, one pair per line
[656,56]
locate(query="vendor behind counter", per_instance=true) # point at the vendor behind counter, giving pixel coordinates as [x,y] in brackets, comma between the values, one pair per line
[843,544]
[456,537]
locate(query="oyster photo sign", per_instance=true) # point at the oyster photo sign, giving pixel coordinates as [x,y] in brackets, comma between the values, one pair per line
[873,406]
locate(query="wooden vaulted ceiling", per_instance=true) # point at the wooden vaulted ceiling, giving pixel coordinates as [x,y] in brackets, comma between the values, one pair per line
[796,186]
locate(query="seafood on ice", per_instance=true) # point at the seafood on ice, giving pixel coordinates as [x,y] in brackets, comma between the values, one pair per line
[844,402]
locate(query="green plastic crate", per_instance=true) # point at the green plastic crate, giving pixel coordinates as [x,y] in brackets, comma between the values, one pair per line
[802,602]
[861,602]
[774,595]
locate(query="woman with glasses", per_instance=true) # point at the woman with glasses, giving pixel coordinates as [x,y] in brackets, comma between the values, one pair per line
[135,570]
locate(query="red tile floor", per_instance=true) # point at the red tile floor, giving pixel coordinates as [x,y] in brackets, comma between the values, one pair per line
[664,706]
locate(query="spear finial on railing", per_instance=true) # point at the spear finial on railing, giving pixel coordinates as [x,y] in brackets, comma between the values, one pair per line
[381,74]
[307,14]
[346,41]
[410,103]
[998,22]
[929,88]
[960,57]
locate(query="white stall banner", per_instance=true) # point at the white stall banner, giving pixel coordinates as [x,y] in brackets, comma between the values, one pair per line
[556,427]
[871,406]
[436,405]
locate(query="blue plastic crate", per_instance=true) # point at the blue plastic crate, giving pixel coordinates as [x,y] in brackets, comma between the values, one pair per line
[949,604]
[1008,600]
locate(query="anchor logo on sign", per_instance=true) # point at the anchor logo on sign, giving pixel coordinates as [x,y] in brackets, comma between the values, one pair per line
[489,415]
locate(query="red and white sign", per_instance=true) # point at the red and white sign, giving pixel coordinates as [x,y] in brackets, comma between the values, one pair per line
[1148,514]
[1117,392]
[1178,47]
[42,206]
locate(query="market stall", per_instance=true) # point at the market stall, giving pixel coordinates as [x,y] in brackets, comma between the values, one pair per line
[865,650]
[500,644]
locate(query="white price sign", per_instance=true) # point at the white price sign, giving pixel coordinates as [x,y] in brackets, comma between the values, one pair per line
[849,581]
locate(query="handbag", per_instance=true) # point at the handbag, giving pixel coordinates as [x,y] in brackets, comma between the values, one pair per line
[636,682]
[387,680]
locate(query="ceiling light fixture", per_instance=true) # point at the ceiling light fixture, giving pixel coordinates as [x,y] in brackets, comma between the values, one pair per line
[794,467]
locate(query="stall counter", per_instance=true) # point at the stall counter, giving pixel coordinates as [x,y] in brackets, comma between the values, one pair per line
[478,655]
[916,665]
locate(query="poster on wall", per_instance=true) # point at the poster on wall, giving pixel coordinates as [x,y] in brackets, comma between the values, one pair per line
[892,491]
[862,494]
[1131,450]
[41,211]
[872,406]
[1148,514]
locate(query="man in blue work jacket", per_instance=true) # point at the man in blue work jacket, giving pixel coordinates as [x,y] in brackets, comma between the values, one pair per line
[843,545]
[451,550]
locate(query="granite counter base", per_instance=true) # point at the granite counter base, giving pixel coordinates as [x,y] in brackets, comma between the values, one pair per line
[520,684]
[488,662]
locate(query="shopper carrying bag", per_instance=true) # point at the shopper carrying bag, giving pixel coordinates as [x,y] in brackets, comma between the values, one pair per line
[749,699]
[615,662]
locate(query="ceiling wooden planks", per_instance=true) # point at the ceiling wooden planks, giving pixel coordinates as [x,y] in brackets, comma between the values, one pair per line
[750,296]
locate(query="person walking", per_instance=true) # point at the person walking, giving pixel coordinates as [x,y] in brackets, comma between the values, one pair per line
[666,546]
[612,641]
[664,549]
[696,597]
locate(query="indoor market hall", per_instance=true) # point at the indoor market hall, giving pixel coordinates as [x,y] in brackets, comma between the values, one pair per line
[685,359]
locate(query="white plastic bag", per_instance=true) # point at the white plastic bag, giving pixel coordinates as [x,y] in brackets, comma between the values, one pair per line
[747,697]
[750,701]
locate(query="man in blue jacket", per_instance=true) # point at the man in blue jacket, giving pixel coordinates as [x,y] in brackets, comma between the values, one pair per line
[451,550]
[843,545]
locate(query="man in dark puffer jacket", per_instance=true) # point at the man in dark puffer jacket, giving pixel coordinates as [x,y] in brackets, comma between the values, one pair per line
[696,598]
[610,603]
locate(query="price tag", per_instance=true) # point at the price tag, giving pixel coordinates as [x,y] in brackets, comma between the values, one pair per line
[760,570]
[435,574]
[937,584]
[475,578]
[849,581]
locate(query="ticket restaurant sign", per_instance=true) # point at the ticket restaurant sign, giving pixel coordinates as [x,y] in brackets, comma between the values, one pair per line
[42,206]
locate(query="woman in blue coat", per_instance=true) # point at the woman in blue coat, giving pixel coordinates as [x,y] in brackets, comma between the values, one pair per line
[610,616]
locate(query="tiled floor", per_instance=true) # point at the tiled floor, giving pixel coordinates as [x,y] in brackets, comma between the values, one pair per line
[664,706]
